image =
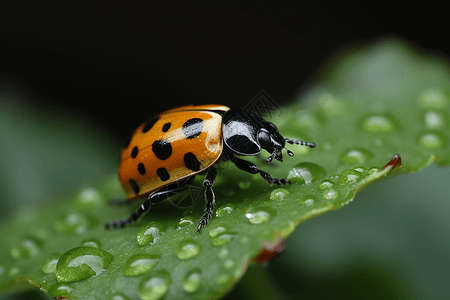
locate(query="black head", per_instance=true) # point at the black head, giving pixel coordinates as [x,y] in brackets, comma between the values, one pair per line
[271,140]
[246,134]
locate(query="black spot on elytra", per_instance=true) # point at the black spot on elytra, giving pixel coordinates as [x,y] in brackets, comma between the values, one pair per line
[149,124]
[141,168]
[191,161]
[134,186]
[162,149]
[166,127]
[192,128]
[134,152]
[162,173]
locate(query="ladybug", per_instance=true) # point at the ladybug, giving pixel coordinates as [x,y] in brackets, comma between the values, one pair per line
[169,150]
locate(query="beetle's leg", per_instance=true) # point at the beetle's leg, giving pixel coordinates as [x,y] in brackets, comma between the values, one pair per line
[252,168]
[154,198]
[209,195]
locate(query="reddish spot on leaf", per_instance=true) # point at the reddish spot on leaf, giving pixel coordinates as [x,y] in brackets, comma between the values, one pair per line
[269,250]
[396,161]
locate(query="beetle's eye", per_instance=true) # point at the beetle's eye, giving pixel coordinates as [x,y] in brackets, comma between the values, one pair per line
[264,139]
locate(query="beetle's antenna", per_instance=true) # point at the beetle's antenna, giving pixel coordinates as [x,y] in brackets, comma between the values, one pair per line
[289,152]
[312,145]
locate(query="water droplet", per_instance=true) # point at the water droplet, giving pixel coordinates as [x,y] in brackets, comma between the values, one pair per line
[154,286]
[223,252]
[81,263]
[27,247]
[74,222]
[243,239]
[308,200]
[150,233]
[326,184]
[355,156]
[185,221]
[378,123]
[331,194]
[223,239]
[432,98]
[373,171]
[225,210]
[348,177]
[218,229]
[118,296]
[192,281]
[229,264]
[306,120]
[349,195]
[360,169]
[40,233]
[60,289]
[279,194]
[432,140]
[331,106]
[13,272]
[223,278]
[306,173]
[188,249]
[434,120]
[244,185]
[89,197]
[49,263]
[138,264]
[91,243]
[259,215]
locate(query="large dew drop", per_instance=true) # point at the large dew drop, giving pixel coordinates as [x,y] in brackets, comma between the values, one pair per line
[223,239]
[188,249]
[348,177]
[150,233]
[306,173]
[432,98]
[225,210]
[218,229]
[184,222]
[154,286]
[60,289]
[279,194]
[259,215]
[49,263]
[355,156]
[432,140]
[192,281]
[378,123]
[27,247]
[139,264]
[74,222]
[81,263]
[89,197]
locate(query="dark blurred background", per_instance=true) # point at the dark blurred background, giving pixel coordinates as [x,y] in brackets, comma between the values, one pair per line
[119,63]
[105,68]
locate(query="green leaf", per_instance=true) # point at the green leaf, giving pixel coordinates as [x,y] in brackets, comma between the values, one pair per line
[371,104]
